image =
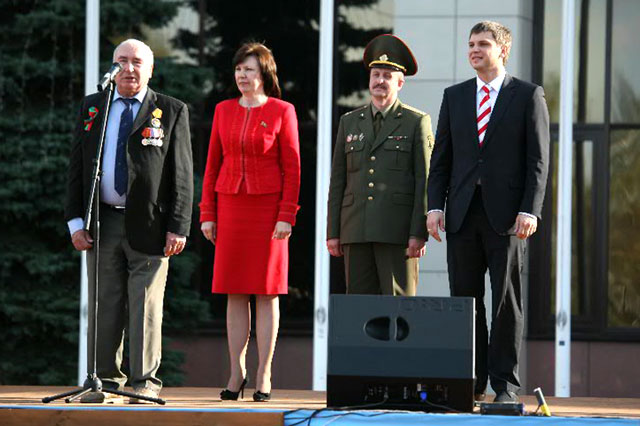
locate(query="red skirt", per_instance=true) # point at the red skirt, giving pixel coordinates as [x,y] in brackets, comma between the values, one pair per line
[247,259]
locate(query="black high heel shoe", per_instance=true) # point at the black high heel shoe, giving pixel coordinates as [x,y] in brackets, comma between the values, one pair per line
[227,395]
[261,396]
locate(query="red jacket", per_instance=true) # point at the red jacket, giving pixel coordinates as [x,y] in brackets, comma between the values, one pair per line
[259,145]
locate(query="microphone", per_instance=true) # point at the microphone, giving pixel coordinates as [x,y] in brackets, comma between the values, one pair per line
[109,76]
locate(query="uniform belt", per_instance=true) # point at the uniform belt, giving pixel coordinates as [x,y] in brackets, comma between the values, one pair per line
[119,209]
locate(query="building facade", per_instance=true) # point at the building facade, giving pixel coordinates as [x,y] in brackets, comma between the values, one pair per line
[606,192]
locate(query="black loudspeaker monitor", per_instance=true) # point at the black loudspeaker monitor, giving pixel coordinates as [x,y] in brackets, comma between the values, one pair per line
[409,353]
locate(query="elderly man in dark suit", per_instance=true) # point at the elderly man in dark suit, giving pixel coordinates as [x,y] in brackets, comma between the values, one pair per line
[489,169]
[377,198]
[146,193]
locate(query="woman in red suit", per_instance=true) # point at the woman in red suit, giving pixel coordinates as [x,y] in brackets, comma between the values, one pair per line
[249,204]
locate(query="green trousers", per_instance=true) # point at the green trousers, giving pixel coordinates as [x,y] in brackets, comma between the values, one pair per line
[380,268]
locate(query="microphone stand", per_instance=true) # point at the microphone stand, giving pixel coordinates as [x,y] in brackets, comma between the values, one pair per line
[93,383]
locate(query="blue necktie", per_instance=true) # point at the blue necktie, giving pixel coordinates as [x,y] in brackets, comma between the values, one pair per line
[126,123]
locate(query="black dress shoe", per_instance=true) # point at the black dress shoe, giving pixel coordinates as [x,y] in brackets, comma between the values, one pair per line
[506,396]
[261,396]
[228,395]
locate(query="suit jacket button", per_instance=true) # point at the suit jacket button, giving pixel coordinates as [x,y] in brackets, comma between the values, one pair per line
[370,184]
[369,198]
[371,171]
[351,148]
[373,158]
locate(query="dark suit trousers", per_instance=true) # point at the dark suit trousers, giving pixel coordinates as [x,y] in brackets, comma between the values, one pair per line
[470,251]
[131,284]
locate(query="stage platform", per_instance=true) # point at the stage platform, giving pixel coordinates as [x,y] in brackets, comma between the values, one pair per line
[21,405]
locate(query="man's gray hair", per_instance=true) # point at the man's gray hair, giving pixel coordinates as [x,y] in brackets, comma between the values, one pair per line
[138,43]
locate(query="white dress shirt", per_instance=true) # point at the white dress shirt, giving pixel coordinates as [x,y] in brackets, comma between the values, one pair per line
[495,86]
[108,193]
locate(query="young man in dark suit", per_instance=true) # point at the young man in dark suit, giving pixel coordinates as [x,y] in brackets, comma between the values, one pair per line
[146,193]
[489,169]
[377,199]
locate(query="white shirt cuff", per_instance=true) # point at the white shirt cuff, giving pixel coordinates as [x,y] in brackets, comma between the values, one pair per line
[75,224]
[435,210]
[532,216]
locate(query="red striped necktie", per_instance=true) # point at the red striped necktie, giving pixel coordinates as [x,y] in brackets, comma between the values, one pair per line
[484,112]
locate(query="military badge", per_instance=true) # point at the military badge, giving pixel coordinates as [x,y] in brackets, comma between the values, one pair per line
[155,122]
[152,136]
[152,142]
[361,136]
[384,57]
[349,137]
[157,113]
[88,123]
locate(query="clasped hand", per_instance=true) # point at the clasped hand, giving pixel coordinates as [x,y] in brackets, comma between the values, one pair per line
[174,243]
[281,231]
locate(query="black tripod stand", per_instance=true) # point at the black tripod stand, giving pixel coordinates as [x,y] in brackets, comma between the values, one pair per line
[93,383]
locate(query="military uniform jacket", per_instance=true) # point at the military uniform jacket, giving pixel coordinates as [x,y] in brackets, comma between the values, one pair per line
[378,185]
[160,185]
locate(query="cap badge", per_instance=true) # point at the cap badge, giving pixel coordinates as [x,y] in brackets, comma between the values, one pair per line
[384,57]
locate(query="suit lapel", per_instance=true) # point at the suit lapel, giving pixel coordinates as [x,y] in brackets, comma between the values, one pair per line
[502,103]
[470,113]
[391,123]
[148,105]
[365,124]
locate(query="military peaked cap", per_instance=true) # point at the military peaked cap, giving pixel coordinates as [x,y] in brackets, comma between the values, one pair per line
[389,51]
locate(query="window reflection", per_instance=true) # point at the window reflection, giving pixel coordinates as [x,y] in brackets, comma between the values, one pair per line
[582,226]
[589,59]
[624,229]
[625,59]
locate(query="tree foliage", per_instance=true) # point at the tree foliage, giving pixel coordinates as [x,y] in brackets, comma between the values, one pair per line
[41,86]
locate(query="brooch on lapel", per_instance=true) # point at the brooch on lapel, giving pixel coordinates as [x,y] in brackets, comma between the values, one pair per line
[263,124]
[88,123]
[153,135]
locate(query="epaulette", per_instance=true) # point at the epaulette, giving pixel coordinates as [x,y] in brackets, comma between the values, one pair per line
[355,110]
[416,110]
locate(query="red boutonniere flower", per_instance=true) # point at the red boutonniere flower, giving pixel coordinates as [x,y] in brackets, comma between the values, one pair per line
[93,112]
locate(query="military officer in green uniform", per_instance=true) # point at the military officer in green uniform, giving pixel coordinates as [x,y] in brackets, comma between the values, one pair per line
[377,195]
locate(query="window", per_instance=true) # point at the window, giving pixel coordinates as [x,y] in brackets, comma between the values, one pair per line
[606,169]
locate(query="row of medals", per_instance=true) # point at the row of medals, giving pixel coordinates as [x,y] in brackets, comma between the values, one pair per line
[153,135]
[353,137]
